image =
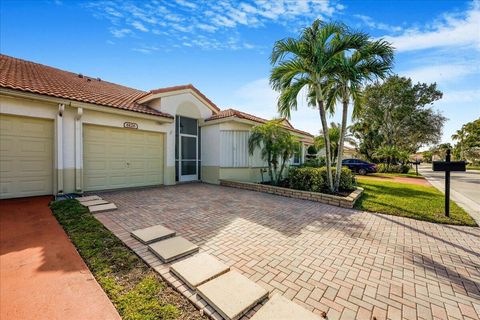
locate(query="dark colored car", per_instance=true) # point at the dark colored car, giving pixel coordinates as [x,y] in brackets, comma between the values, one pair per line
[359,166]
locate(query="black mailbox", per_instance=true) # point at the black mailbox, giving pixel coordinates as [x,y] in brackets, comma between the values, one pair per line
[449,165]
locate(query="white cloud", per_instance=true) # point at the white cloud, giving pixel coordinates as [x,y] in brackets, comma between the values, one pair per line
[139,26]
[441,73]
[120,33]
[145,49]
[462,96]
[369,22]
[218,18]
[451,30]
[187,4]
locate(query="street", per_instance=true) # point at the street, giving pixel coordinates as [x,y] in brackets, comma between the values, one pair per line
[464,188]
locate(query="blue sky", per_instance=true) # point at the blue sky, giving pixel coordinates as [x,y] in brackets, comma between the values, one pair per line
[223,47]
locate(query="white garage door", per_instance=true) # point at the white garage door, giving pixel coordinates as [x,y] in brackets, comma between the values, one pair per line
[120,158]
[26,156]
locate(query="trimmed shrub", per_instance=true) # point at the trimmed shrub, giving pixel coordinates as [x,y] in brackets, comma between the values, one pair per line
[393,168]
[315,162]
[315,179]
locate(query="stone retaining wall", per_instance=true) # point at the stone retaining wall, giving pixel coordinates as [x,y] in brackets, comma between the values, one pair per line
[344,202]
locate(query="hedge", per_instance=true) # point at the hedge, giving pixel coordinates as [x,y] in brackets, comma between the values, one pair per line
[315,179]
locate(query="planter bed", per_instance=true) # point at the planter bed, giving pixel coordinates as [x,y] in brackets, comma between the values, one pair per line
[344,202]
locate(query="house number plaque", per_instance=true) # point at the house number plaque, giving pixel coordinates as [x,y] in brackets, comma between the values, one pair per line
[130,125]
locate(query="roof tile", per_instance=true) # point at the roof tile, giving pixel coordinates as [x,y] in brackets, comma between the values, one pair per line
[32,77]
[243,115]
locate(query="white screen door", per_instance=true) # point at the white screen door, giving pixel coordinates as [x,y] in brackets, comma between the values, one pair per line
[188,158]
[188,149]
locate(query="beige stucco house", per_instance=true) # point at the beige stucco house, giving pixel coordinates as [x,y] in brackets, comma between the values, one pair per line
[63,132]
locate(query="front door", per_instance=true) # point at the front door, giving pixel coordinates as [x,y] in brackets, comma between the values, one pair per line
[187,143]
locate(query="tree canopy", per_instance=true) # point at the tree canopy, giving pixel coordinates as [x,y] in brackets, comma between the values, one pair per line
[397,113]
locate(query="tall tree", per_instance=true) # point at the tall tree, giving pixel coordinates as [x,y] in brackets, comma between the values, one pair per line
[307,62]
[399,113]
[468,140]
[373,60]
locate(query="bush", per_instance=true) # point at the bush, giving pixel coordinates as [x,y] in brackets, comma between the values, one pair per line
[315,179]
[315,162]
[393,168]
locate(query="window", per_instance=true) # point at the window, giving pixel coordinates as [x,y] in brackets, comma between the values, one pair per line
[296,157]
[234,149]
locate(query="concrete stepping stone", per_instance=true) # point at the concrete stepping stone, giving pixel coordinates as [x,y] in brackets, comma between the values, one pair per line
[281,308]
[152,234]
[93,202]
[102,208]
[173,248]
[88,198]
[198,269]
[232,294]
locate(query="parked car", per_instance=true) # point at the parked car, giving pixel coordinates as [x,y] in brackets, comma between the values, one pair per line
[359,166]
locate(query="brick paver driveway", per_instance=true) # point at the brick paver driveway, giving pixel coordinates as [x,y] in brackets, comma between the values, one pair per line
[351,264]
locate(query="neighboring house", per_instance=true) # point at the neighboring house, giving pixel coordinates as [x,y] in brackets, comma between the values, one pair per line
[63,132]
[348,152]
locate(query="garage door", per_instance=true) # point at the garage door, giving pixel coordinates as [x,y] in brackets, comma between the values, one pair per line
[120,158]
[26,156]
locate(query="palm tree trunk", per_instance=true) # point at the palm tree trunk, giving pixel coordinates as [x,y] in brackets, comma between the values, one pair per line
[341,141]
[270,172]
[326,139]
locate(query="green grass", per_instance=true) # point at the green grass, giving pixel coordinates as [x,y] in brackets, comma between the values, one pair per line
[136,290]
[409,200]
[410,174]
[473,167]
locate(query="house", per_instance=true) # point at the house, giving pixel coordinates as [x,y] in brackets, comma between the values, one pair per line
[63,132]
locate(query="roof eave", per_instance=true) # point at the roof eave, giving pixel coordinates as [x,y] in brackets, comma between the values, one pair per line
[85,105]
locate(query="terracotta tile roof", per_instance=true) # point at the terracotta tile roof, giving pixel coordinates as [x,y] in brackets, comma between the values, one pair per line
[183,87]
[32,77]
[243,115]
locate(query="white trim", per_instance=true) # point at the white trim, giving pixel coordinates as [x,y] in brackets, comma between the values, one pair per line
[153,96]
[191,177]
[59,147]
[79,150]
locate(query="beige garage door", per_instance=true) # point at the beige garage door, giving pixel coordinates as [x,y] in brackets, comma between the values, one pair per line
[120,158]
[26,156]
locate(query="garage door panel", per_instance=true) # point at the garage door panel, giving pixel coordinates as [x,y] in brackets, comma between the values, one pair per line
[117,164]
[34,128]
[7,146]
[96,149]
[130,158]
[95,165]
[26,159]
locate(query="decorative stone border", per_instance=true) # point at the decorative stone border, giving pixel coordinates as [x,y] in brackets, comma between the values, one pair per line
[344,202]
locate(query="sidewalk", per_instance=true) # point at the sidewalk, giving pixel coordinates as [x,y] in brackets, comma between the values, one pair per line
[437,180]
[42,275]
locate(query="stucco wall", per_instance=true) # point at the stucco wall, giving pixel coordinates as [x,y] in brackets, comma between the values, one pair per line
[68,171]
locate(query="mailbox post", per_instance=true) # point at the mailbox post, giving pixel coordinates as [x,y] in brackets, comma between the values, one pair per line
[448,166]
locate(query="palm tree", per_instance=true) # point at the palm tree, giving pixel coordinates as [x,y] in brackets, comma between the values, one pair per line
[334,135]
[277,146]
[307,62]
[459,136]
[371,61]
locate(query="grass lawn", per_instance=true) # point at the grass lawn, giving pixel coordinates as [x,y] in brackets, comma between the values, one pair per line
[473,167]
[409,200]
[410,174]
[136,290]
